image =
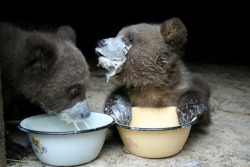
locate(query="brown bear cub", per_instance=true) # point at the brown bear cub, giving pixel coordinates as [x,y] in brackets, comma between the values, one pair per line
[46,68]
[146,60]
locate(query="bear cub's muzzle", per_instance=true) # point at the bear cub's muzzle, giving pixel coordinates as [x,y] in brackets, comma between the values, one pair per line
[76,113]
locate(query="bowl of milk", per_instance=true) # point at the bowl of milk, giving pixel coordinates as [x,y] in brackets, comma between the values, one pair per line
[56,142]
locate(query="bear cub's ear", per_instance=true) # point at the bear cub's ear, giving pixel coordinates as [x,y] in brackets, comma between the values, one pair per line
[67,33]
[174,31]
[41,53]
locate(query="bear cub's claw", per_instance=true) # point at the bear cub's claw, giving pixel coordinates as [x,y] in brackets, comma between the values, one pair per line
[119,107]
[191,109]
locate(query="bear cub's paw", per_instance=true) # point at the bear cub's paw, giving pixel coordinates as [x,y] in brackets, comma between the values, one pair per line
[119,107]
[191,109]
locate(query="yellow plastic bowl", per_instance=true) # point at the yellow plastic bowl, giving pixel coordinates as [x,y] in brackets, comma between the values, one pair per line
[152,142]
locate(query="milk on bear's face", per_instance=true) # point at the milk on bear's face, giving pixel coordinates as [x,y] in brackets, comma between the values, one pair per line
[112,54]
[47,68]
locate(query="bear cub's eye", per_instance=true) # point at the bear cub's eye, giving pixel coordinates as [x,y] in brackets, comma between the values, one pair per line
[130,39]
[74,92]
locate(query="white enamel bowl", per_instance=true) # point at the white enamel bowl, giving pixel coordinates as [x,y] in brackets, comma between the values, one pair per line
[55,142]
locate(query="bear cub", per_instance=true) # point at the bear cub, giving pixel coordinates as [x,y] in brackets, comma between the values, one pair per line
[146,60]
[46,68]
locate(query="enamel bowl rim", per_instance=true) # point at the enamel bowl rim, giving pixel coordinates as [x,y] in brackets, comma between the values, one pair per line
[195,120]
[66,132]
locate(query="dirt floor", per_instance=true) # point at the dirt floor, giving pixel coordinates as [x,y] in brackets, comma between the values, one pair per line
[226,142]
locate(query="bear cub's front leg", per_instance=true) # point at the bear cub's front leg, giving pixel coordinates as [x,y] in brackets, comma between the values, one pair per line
[189,108]
[118,106]
[194,102]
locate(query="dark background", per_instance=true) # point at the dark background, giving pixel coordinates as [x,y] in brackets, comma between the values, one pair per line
[218,31]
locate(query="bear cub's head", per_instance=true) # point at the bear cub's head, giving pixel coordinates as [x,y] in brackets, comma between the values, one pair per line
[53,72]
[144,54]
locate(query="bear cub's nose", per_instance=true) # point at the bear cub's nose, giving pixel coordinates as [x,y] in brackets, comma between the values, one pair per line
[101,43]
[85,115]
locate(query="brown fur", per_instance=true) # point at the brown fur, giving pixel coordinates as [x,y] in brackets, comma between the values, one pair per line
[43,67]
